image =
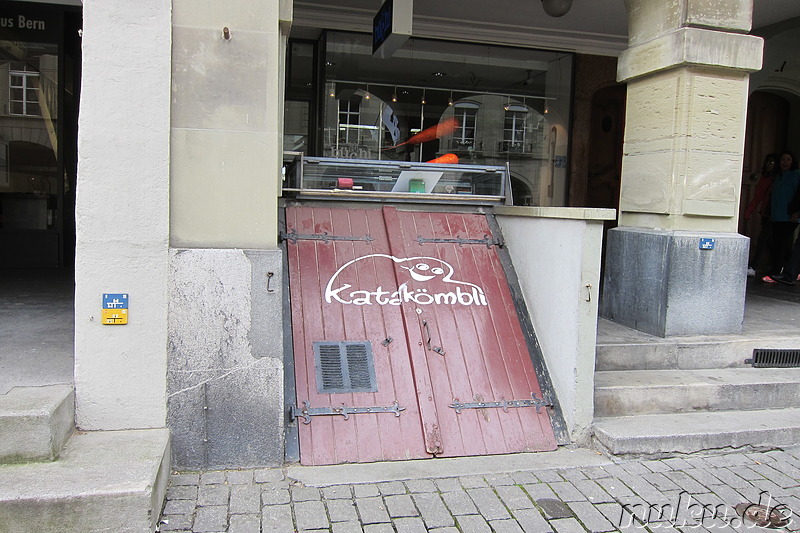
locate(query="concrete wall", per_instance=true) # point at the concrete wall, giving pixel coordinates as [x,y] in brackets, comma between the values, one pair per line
[556,254]
[122,213]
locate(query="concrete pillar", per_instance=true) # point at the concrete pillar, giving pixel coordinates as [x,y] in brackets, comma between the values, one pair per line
[122,224]
[225,372]
[687,70]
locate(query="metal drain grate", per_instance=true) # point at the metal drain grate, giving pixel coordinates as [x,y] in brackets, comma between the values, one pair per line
[344,367]
[774,358]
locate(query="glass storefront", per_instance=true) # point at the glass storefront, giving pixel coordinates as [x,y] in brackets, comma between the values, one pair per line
[438,101]
[37,81]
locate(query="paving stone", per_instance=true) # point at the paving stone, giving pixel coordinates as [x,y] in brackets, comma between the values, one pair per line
[268,475]
[245,499]
[372,511]
[760,457]
[275,496]
[657,466]
[179,507]
[488,504]
[239,477]
[676,463]
[765,485]
[554,508]
[433,511]
[595,472]
[614,487]
[572,474]
[745,472]
[211,519]
[186,478]
[567,492]
[176,522]
[305,494]
[591,518]
[473,482]
[391,488]
[473,524]
[615,514]
[496,480]
[311,515]
[341,511]
[366,491]
[347,527]
[213,495]
[410,525]
[444,530]
[661,482]
[698,462]
[277,519]
[337,492]
[686,482]
[540,490]
[379,528]
[641,486]
[567,525]
[721,461]
[549,476]
[775,475]
[728,495]
[215,477]
[459,503]
[400,505]
[514,497]
[448,484]
[245,523]
[593,492]
[420,485]
[524,478]
[505,526]
[532,520]
[614,470]
[635,468]
[182,492]
[729,478]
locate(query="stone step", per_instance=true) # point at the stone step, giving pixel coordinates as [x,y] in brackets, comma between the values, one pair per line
[104,481]
[687,353]
[35,422]
[669,434]
[637,392]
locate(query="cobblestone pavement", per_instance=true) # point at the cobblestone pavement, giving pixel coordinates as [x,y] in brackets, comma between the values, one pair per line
[694,493]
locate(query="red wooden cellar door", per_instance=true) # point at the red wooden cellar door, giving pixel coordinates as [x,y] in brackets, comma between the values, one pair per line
[407,343]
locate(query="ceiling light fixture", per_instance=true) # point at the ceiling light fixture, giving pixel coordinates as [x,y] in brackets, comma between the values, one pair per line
[423,96]
[450,100]
[394,95]
[556,8]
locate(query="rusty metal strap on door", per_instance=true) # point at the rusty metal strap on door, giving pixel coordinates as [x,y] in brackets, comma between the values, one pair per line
[293,236]
[538,403]
[487,241]
[307,411]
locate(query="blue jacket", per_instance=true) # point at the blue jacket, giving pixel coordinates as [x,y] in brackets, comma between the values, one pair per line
[783,190]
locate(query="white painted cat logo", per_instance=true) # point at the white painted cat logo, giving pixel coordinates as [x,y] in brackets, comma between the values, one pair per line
[420,269]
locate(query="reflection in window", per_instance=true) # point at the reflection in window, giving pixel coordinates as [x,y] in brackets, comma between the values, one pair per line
[514,128]
[24,97]
[467,115]
[349,113]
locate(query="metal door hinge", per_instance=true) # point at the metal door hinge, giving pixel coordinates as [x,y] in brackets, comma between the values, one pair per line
[324,237]
[538,403]
[307,411]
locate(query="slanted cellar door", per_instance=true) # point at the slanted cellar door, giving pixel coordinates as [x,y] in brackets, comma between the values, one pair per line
[406,339]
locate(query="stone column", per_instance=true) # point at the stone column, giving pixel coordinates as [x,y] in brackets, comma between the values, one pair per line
[676,265]
[225,354]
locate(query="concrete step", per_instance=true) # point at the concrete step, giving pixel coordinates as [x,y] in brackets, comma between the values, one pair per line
[687,353]
[35,422]
[104,481]
[669,434]
[637,392]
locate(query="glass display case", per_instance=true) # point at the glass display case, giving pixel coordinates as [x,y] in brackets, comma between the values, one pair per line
[309,177]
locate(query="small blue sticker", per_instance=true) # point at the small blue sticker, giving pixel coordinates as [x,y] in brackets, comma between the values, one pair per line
[115,301]
[706,244]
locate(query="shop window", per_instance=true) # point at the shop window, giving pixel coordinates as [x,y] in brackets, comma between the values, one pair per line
[349,120]
[24,92]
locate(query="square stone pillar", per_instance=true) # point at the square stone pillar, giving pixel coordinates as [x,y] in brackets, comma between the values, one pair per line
[687,70]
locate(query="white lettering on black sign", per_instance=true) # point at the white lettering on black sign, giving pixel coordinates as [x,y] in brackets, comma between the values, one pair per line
[421,270]
[22,23]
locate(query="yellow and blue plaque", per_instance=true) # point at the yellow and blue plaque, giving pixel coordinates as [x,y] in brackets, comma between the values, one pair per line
[115,309]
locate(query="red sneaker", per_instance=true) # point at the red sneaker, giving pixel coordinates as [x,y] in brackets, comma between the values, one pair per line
[767,279]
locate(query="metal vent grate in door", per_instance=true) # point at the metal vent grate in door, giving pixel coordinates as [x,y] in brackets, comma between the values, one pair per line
[774,358]
[344,366]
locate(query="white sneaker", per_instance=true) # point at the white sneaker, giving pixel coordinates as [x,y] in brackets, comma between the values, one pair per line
[751,273]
